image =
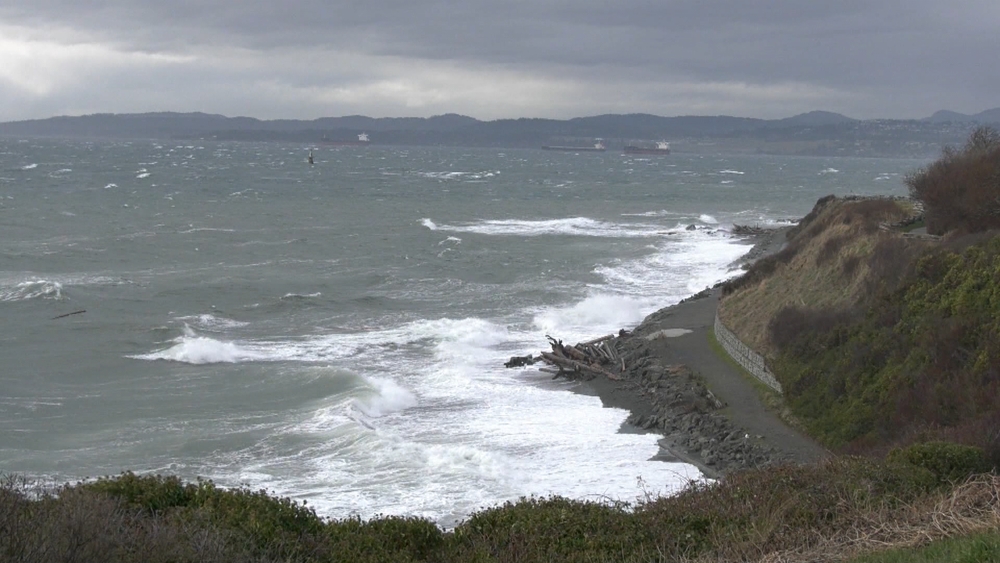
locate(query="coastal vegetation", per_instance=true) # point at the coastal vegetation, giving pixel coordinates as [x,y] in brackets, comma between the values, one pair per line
[880,339]
[886,342]
[824,512]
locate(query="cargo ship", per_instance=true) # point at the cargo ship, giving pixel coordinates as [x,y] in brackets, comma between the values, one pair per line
[362,141]
[598,147]
[662,147]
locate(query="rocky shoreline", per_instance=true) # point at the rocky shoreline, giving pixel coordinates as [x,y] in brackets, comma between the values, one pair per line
[715,423]
[680,406]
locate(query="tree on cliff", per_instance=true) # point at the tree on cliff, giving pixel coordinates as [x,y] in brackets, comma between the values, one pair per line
[961,190]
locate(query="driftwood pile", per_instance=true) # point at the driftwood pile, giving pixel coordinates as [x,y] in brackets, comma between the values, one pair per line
[586,360]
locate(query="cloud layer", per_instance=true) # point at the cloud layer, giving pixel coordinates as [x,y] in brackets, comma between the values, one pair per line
[501,58]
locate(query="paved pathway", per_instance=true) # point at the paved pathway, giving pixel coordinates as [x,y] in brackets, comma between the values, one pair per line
[725,380]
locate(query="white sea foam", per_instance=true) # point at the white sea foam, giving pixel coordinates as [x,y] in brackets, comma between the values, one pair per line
[660,213]
[829,171]
[445,337]
[736,172]
[194,229]
[705,218]
[29,166]
[212,322]
[577,226]
[193,349]
[467,460]
[484,175]
[143,175]
[449,175]
[385,396]
[109,186]
[679,268]
[33,289]
[592,316]
[300,296]
[455,338]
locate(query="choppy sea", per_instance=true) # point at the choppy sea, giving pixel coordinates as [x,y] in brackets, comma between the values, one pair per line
[336,332]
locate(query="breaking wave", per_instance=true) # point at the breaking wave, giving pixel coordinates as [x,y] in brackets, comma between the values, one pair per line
[575,226]
[35,289]
[193,349]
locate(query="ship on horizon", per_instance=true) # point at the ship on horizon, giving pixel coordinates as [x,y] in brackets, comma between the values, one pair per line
[362,141]
[661,148]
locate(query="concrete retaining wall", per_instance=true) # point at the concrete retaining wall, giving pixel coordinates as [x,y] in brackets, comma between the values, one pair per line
[744,355]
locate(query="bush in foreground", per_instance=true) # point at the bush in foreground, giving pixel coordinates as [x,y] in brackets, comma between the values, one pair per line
[780,513]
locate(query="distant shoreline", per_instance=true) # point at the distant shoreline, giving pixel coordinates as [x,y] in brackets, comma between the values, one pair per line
[821,134]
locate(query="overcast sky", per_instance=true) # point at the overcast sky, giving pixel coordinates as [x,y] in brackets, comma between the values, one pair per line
[489,59]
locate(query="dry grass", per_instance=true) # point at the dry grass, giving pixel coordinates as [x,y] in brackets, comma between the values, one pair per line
[829,268]
[967,509]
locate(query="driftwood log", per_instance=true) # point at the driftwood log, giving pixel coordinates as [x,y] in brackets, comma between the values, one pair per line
[587,360]
[68,314]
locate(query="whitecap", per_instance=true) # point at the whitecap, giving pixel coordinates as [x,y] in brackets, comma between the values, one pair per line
[212,322]
[593,315]
[829,171]
[449,175]
[299,296]
[33,289]
[193,349]
[206,229]
[660,213]
[29,166]
[384,397]
[577,226]
[737,172]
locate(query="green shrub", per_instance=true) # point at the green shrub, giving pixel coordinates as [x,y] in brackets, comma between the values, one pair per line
[551,529]
[149,492]
[920,351]
[950,463]
[417,536]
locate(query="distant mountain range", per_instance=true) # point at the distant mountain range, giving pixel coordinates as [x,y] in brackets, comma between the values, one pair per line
[945,116]
[817,132]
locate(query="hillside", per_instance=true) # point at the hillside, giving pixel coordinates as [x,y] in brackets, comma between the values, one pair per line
[824,265]
[879,338]
[813,133]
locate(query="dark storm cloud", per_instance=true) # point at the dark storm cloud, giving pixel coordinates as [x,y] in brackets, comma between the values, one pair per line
[908,56]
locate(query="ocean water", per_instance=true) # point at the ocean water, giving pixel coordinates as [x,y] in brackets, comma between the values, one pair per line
[336,333]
